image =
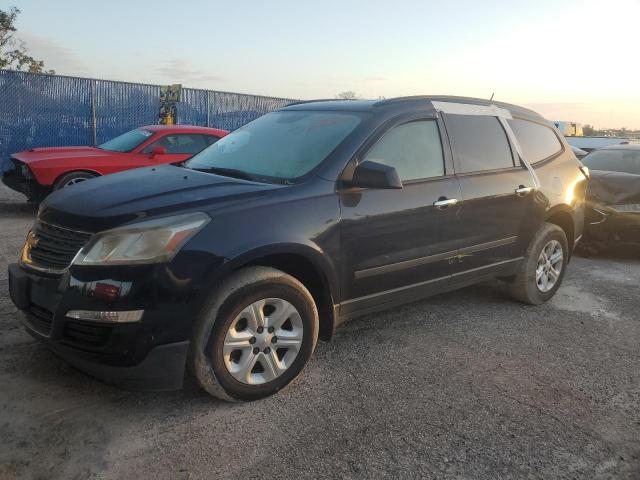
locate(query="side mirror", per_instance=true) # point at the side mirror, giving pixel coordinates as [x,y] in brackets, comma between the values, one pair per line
[158,150]
[370,174]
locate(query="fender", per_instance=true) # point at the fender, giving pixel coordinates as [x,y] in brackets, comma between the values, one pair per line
[566,213]
[311,253]
[561,207]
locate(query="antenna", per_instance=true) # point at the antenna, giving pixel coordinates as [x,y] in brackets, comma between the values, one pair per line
[492,96]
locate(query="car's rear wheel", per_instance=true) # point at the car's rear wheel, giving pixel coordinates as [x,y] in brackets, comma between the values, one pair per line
[72,178]
[255,336]
[543,268]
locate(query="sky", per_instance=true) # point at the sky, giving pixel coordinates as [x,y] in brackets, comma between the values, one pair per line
[568,60]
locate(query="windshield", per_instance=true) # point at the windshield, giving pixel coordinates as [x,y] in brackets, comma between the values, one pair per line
[279,145]
[127,141]
[619,160]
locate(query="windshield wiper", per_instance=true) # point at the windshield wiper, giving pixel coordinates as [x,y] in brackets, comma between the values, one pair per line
[228,172]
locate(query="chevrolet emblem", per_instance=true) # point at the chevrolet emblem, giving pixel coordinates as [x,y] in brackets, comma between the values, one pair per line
[32,240]
[30,243]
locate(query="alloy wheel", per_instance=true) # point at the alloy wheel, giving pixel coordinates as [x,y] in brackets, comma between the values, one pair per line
[263,341]
[549,266]
[73,181]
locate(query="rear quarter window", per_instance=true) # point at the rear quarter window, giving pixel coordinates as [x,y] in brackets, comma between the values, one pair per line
[538,142]
[479,143]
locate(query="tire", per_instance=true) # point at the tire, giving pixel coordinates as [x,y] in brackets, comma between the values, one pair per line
[219,368]
[72,178]
[525,286]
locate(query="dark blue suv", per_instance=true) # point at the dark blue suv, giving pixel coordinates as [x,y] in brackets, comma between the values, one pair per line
[236,262]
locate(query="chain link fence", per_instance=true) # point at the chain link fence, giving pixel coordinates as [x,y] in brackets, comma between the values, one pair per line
[52,110]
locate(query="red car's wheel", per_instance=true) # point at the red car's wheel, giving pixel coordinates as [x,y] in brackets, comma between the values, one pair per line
[71,179]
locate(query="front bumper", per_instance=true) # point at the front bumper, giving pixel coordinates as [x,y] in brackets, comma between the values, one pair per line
[13,177]
[147,355]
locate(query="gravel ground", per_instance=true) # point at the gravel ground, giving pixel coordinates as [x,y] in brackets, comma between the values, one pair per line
[463,385]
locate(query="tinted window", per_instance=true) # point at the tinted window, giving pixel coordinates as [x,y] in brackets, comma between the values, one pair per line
[479,143]
[537,141]
[211,139]
[127,141]
[180,143]
[625,161]
[414,149]
[282,145]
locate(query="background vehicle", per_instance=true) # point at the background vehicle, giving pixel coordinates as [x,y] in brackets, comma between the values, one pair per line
[575,137]
[38,171]
[578,152]
[266,241]
[614,194]
[589,144]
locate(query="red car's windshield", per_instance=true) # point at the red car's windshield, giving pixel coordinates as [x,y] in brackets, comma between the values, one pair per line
[127,141]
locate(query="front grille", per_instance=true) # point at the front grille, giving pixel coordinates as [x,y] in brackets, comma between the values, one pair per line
[54,247]
[40,319]
[84,333]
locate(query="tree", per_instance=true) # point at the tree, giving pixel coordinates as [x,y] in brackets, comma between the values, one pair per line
[13,52]
[348,95]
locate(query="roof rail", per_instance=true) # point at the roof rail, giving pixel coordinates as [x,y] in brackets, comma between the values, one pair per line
[457,99]
[302,102]
[402,99]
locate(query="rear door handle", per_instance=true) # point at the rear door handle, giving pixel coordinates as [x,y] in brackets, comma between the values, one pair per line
[521,191]
[444,203]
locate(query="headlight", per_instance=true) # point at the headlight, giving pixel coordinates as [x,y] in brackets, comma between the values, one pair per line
[152,241]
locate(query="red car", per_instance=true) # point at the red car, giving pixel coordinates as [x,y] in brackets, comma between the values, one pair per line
[38,171]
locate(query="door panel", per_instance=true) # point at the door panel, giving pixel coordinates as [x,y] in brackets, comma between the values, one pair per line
[493,214]
[493,218]
[137,160]
[396,242]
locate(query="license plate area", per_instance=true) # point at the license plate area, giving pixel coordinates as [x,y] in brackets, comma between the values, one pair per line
[37,297]
[18,287]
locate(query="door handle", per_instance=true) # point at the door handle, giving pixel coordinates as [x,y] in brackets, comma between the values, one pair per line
[444,203]
[521,191]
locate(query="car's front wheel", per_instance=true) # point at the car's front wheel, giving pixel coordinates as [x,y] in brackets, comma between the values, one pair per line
[72,178]
[255,336]
[543,267]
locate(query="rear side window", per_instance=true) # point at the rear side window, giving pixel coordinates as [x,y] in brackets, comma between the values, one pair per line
[180,143]
[537,141]
[414,149]
[479,143]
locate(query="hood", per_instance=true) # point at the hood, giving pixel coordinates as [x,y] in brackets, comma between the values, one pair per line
[613,188]
[54,153]
[109,201]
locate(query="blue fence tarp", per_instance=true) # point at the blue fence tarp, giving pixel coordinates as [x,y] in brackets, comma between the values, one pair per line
[51,110]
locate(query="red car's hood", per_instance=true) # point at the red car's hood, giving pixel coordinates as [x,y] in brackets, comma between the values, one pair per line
[53,153]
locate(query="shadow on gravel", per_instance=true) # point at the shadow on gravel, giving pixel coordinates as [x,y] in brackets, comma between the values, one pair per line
[610,251]
[45,369]
[16,208]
